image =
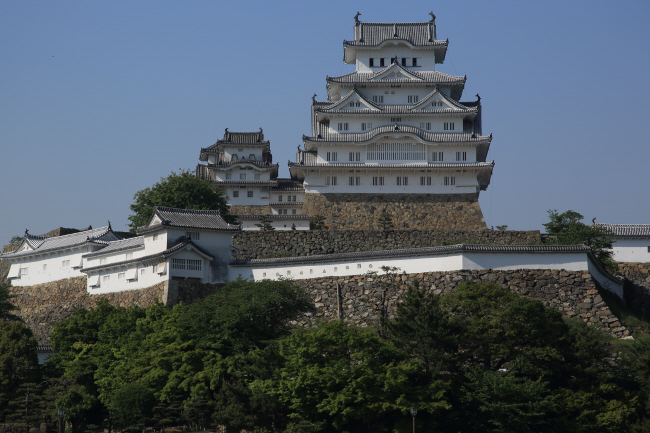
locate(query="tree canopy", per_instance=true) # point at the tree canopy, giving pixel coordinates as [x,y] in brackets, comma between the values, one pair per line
[6,307]
[568,229]
[180,190]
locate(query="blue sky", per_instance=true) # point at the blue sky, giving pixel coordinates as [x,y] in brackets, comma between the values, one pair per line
[101,99]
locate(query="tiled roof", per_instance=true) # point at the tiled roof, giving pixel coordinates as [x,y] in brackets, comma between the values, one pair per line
[246,182]
[275,217]
[261,164]
[433,165]
[627,230]
[431,137]
[44,348]
[288,185]
[243,139]
[374,34]
[187,218]
[121,245]
[410,252]
[158,257]
[285,203]
[424,77]
[42,244]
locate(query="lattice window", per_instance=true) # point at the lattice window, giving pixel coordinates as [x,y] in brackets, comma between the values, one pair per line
[395,151]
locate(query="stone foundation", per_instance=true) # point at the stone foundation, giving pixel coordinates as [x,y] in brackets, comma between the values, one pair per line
[44,305]
[250,210]
[258,244]
[439,212]
[362,299]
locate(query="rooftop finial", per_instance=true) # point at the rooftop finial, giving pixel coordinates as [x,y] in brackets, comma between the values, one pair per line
[478,98]
[313,99]
[261,129]
[433,17]
[226,130]
[593,221]
[356,18]
[109,225]
[26,232]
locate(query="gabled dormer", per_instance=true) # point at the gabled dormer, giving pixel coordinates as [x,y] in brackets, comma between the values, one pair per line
[437,100]
[354,100]
[395,72]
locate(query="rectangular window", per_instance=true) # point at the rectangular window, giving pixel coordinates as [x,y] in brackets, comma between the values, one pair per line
[23,271]
[155,237]
[402,180]
[425,126]
[242,176]
[415,61]
[437,156]
[343,126]
[106,278]
[120,276]
[45,267]
[381,62]
[129,256]
[228,175]
[293,211]
[395,119]
[257,176]
[461,156]
[193,265]
[354,180]
[396,151]
[250,193]
[192,235]
[142,271]
[354,156]
[178,264]
[449,126]
[102,261]
[280,198]
[425,180]
[294,198]
[378,99]
[413,99]
[332,156]
[366,126]
[403,61]
[450,180]
[378,180]
[331,180]
[372,62]
[235,194]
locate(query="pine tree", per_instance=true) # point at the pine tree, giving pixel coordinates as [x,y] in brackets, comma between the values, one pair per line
[318,223]
[265,224]
[385,222]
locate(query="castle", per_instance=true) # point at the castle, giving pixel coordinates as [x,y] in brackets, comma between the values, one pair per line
[392,137]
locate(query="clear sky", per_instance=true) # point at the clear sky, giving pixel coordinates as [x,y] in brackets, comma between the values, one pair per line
[100,99]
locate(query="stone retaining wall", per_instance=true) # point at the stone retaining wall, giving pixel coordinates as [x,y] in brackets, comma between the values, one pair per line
[637,286]
[256,244]
[361,299]
[441,212]
[44,305]
[250,210]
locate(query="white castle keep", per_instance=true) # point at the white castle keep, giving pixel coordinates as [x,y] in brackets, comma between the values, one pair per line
[391,132]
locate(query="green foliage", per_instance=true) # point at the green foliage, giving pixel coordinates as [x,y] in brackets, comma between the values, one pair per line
[180,190]
[318,223]
[15,239]
[6,307]
[502,228]
[265,224]
[131,405]
[568,229]
[385,222]
[17,359]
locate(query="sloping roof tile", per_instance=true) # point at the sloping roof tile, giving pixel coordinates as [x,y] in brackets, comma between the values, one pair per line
[627,230]
[431,137]
[121,245]
[42,244]
[187,218]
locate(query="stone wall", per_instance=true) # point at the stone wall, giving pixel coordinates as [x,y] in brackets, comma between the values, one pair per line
[637,287]
[257,244]
[440,212]
[44,305]
[360,299]
[250,210]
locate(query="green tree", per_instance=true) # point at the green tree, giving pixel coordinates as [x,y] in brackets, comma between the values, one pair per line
[6,307]
[568,229]
[265,224]
[15,239]
[180,190]
[318,223]
[385,221]
[17,360]
[132,406]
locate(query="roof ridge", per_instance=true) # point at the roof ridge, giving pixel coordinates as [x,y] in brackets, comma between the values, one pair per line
[192,211]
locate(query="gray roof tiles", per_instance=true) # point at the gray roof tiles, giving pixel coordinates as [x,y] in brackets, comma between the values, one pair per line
[424,77]
[411,252]
[627,230]
[374,34]
[276,217]
[406,166]
[42,244]
[187,218]
[121,245]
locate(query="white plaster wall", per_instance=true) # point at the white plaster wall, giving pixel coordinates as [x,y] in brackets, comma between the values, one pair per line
[146,276]
[250,171]
[343,153]
[437,122]
[260,196]
[513,261]
[632,250]
[401,93]
[299,195]
[409,265]
[615,287]
[249,225]
[316,181]
[242,152]
[54,268]
[426,58]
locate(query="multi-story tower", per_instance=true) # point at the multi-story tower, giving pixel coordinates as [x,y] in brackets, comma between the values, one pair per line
[393,137]
[241,163]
